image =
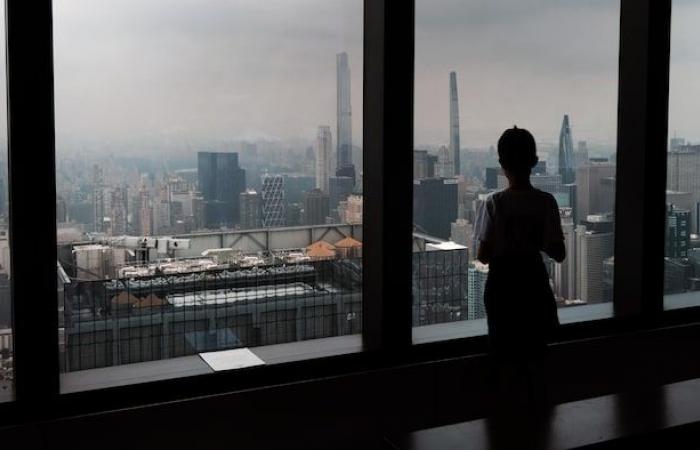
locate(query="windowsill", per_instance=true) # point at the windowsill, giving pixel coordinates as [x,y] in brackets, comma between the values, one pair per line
[472,328]
[167,369]
[682,300]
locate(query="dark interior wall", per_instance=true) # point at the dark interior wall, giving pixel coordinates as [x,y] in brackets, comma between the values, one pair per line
[354,411]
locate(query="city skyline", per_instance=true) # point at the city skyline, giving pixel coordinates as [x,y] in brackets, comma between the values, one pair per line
[218,89]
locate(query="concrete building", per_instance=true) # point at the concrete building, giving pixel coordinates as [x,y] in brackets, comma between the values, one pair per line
[316,207]
[445,163]
[350,211]
[591,194]
[420,164]
[250,209]
[145,213]
[339,189]
[119,211]
[581,154]
[324,145]
[462,232]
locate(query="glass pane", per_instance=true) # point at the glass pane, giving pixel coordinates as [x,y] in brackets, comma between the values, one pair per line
[682,255]
[482,67]
[209,175]
[6,349]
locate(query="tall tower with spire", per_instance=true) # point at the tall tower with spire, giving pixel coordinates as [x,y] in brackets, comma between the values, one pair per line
[345,167]
[566,153]
[454,123]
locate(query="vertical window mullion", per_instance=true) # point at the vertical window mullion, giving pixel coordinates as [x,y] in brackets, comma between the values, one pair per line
[32,192]
[641,157]
[388,173]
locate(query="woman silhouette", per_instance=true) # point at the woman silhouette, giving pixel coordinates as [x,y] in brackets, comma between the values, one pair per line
[513,226]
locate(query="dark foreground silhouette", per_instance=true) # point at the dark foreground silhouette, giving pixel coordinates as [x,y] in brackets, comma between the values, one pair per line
[513,227]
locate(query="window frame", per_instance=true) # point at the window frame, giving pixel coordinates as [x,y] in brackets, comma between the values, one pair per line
[389,34]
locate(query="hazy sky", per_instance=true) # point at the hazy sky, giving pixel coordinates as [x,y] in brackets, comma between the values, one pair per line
[189,70]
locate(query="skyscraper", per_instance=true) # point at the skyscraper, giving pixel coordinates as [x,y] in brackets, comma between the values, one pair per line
[478,273]
[454,124]
[677,232]
[119,211]
[345,167]
[592,184]
[221,181]
[324,143]
[445,159]
[315,207]
[145,212]
[592,249]
[98,200]
[435,205]
[273,201]
[566,152]
[250,209]
[339,188]
[565,272]
[420,164]
[683,175]
[581,154]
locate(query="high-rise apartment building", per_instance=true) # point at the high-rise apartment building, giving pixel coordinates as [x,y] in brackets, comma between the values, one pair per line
[324,145]
[221,181]
[250,209]
[345,167]
[273,201]
[454,125]
[566,152]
